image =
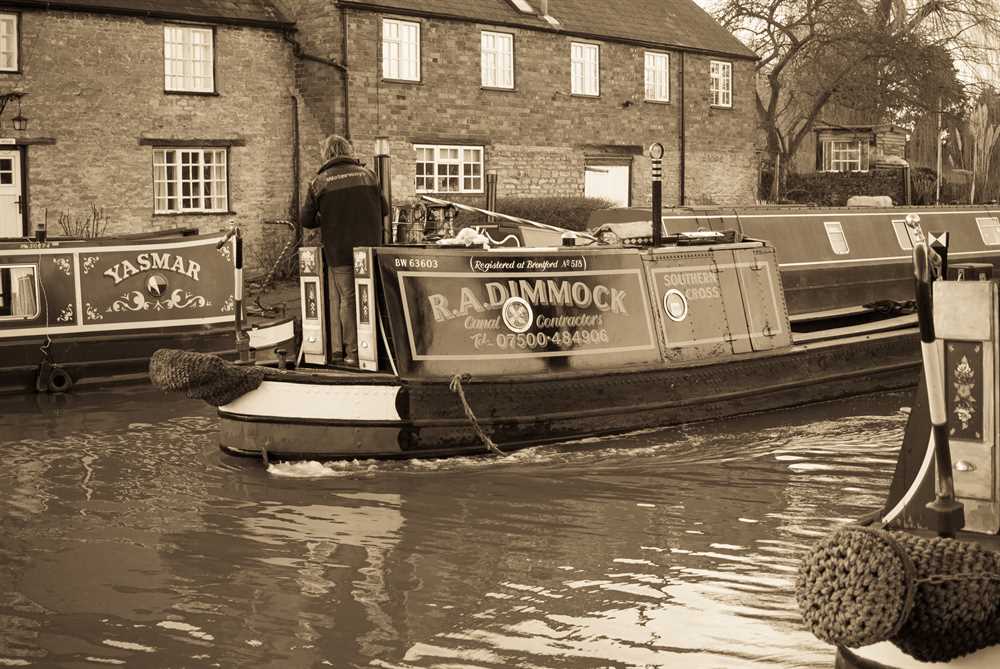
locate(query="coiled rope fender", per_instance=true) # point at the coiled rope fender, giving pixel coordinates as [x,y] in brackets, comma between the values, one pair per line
[936,599]
[202,376]
[456,387]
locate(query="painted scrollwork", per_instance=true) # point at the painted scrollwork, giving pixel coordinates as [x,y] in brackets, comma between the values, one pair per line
[92,313]
[964,383]
[137,301]
[226,251]
[89,262]
[66,315]
[64,264]
[228,305]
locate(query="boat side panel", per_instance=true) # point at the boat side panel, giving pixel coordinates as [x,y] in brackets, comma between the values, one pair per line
[460,311]
[105,287]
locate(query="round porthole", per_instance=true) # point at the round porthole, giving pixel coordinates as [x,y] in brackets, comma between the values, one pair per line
[675,304]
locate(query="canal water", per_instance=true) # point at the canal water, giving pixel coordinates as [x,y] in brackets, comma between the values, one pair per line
[129,539]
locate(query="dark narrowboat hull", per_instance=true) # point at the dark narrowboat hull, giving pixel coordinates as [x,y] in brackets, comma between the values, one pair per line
[92,359]
[297,415]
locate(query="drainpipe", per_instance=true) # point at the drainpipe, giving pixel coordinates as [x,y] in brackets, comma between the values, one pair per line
[344,72]
[296,167]
[681,134]
[301,54]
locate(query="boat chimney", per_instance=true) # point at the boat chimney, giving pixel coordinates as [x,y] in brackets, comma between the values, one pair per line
[656,167]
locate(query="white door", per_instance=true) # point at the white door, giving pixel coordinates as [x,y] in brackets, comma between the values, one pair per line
[610,182]
[11,221]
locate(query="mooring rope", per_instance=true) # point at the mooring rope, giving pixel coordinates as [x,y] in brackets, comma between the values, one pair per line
[456,387]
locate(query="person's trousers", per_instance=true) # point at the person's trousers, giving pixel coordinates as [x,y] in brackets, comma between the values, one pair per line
[343,323]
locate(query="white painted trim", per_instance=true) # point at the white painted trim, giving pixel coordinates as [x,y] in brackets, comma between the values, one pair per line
[889,656]
[77,288]
[918,480]
[140,325]
[276,399]
[825,214]
[202,240]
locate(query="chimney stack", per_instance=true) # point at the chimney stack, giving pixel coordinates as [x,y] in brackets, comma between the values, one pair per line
[544,7]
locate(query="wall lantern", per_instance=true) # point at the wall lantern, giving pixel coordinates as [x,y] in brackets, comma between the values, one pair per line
[382,146]
[19,121]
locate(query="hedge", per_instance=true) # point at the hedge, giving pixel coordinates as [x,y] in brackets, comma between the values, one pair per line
[832,189]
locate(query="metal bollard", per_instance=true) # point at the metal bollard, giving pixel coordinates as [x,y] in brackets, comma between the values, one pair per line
[656,157]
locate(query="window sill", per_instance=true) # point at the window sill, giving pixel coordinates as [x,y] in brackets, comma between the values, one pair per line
[205,94]
[722,107]
[590,96]
[497,89]
[658,102]
[450,192]
[387,80]
[194,213]
[18,71]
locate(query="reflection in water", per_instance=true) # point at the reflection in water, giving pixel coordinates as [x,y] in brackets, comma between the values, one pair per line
[129,538]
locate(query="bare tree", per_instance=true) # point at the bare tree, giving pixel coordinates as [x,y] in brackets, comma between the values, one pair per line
[889,52]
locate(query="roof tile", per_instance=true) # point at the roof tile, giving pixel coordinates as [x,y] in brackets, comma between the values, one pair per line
[680,24]
[244,11]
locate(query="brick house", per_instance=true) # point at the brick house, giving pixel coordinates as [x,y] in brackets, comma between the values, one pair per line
[558,98]
[164,114]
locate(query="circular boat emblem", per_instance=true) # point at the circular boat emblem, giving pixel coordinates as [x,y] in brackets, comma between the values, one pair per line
[516,314]
[156,285]
[675,304]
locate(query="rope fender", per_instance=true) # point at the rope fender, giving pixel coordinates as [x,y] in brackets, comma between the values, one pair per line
[456,387]
[936,599]
[202,376]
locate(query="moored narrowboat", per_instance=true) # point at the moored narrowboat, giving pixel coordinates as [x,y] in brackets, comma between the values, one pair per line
[82,312]
[833,259]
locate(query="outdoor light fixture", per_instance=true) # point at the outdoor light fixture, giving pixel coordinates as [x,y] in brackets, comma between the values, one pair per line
[382,146]
[19,121]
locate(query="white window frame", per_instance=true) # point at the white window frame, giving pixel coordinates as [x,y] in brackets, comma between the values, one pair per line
[838,240]
[496,57]
[465,168]
[989,230]
[721,87]
[657,65]
[38,303]
[177,190]
[10,42]
[188,59]
[585,69]
[905,235]
[400,50]
[846,155]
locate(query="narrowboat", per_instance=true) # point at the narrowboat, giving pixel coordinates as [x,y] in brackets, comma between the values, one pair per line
[917,582]
[83,312]
[833,260]
[469,345]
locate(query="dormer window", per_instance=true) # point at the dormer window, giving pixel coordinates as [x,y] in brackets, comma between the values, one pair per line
[188,59]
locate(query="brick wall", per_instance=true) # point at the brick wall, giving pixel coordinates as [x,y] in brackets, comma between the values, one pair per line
[94,84]
[537,137]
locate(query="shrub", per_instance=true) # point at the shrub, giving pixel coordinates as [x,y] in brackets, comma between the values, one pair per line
[571,213]
[834,188]
[89,226]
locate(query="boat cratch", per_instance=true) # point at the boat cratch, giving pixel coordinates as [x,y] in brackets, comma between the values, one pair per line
[85,311]
[469,349]
[917,583]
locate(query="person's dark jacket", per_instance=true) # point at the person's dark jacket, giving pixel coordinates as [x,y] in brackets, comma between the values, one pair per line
[346,203]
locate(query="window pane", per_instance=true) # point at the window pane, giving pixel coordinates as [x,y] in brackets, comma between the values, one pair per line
[584,68]
[188,59]
[838,240]
[18,292]
[8,42]
[497,59]
[657,77]
[400,50]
